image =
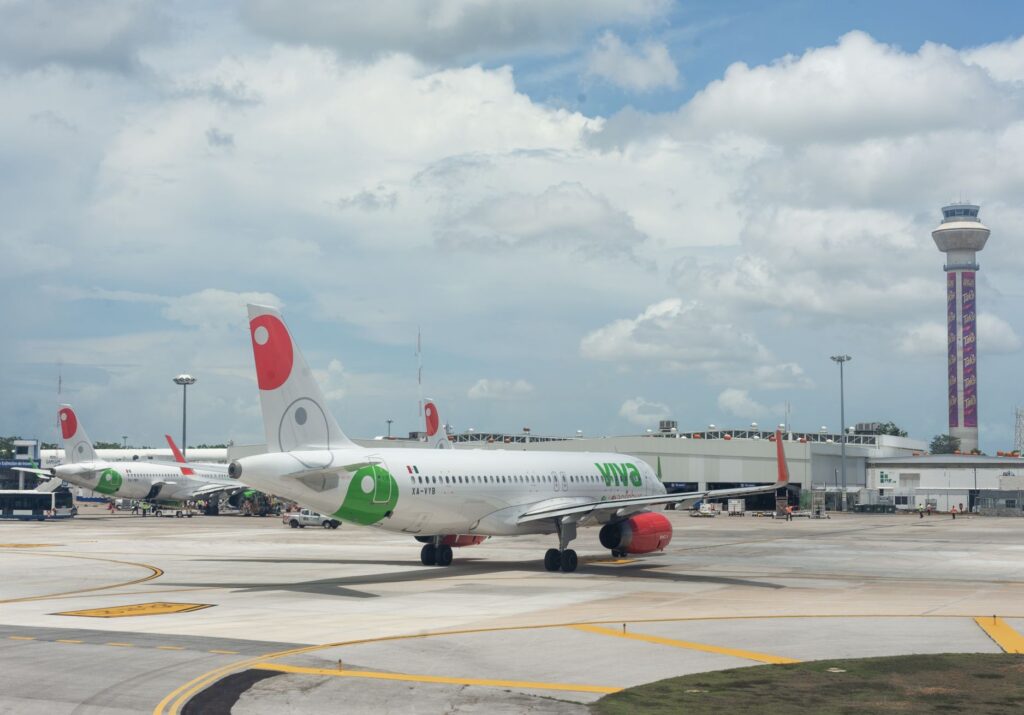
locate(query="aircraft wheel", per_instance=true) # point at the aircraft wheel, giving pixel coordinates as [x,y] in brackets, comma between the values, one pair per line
[428,555]
[444,555]
[552,560]
[569,561]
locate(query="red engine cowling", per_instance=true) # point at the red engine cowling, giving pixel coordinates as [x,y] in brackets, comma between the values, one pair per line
[462,540]
[454,539]
[640,534]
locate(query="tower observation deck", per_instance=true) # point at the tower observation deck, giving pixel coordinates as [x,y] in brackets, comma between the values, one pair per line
[960,236]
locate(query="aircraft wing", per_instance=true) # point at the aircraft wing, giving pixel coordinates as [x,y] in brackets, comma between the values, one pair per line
[44,473]
[214,488]
[553,509]
[622,507]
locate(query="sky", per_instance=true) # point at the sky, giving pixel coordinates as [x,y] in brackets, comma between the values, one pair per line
[597,215]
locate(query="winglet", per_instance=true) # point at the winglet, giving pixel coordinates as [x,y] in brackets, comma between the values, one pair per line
[780,453]
[178,457]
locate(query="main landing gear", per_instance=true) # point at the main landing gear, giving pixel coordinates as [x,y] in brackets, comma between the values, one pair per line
[555,560]
[563,558]
[439,555]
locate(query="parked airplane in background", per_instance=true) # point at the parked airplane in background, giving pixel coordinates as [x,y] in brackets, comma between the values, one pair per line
[437,435]
[140,479]
[447,498]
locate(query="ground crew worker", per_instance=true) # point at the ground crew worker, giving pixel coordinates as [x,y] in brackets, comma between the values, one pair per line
[920,511]
[789,512]
[952,510]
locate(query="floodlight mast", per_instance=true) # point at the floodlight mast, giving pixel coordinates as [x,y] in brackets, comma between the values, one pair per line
[184,380]
[841,359]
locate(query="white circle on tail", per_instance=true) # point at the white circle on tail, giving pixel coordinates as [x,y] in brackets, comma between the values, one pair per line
[261,335]
[367,484]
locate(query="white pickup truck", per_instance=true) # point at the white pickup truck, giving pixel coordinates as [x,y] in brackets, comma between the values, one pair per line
[307,517]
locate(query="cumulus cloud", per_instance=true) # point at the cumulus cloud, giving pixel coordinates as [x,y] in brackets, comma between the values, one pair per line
[446,31]
[333,381]
[213,308]
[855,89]
[780,377]
[782,201]
[740,404]
[1004,61]
[676,335]
[995,336]
[642,413]
[375,199]
[640,69]
[485,389]
[564,216]
[218,138]
[101,34]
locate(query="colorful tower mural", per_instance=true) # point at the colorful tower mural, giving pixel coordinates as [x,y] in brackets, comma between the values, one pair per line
[960,236]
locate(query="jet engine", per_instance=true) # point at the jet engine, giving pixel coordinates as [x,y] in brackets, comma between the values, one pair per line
[640,534]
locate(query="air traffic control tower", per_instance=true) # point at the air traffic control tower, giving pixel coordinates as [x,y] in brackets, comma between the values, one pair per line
[960,236]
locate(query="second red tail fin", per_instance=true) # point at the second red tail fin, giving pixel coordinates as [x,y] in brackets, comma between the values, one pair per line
[187,471]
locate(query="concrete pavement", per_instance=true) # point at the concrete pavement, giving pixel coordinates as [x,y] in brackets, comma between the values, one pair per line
[492,631]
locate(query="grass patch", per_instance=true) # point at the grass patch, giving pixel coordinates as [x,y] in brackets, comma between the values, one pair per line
[980,684]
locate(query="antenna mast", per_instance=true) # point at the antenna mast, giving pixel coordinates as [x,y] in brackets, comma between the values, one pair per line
[419,369]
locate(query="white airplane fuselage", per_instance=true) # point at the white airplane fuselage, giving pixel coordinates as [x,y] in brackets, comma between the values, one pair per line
[139,480]
[430,492]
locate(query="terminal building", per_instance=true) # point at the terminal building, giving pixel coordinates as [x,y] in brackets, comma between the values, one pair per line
[881,469]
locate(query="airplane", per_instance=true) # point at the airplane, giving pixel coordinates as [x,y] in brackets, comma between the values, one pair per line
[437,436]
[142,480]
[447,498]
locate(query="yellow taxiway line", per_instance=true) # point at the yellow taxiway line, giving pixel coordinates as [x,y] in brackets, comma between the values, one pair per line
[485,682]
[154,572]
[703,647]
[172,703]
[1002,633]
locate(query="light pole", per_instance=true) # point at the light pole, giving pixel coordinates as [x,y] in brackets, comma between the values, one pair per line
[389,427]
[184,381]
[124,437]
[842,422]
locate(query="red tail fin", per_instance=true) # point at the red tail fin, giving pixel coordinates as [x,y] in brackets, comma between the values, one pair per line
[187,471]
[781,459]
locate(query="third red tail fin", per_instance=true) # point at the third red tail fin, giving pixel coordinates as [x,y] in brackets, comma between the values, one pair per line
[780,452]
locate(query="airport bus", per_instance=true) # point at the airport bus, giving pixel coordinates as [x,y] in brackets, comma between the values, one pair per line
[32,505]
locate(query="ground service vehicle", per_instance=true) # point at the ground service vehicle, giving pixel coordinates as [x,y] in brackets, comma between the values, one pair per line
[307,517]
